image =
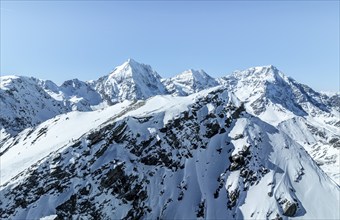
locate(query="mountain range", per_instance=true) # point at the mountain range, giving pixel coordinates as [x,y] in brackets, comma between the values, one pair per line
[255,144]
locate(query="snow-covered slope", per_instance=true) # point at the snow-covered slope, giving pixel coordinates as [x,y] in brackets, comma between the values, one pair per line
[27,101]
[80,94]
[75,94]
[189,82]
[250,148]
[267,90]
[130,81]
[309,117]
[24,104]
[199,156]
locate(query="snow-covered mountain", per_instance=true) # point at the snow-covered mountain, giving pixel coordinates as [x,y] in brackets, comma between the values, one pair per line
[130,81]
[309,117]
[260,86]
[200,156]
[189,82]
[252,145]
[75,94]
[26,102]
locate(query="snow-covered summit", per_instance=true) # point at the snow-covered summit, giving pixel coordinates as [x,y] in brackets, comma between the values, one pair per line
[78,88]
[263,86]
[24,103]
[268,73]
[189,82]
[131,80]
[6,81]
[308,116]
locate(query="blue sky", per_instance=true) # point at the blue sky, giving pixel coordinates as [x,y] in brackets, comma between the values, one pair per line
[61,40]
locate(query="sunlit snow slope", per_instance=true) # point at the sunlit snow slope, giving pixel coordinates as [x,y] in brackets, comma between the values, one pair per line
[198,156]
[310,118]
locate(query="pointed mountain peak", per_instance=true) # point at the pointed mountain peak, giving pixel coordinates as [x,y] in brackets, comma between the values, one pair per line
[130,68]
[190,81]
[131,63]
[266,73]
[193,74]
[264,69]
[131,80]
[14,80]
[73,83]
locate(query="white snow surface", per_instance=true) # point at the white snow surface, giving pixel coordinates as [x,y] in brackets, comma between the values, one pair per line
[291,177]
[50,217]
[189,82]
[279,100]
[291,132]
[131,80]
[50,136]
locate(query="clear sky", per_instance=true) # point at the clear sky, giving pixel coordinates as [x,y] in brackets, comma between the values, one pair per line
[60,40]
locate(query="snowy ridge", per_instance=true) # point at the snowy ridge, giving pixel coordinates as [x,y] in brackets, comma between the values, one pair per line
[207,158]
[252,145]
[130,81]
[24,104]
[307,116]
[189,82]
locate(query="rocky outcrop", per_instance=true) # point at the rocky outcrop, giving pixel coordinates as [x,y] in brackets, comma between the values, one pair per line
[289,209]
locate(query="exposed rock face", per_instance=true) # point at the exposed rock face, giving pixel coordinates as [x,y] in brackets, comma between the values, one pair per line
[290,209]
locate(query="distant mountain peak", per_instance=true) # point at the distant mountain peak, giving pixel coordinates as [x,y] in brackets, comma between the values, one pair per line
[267,73]
[132,62]
[194,73]
[72,82]
[131,80]
[131,68]
[264,68]
[190,81]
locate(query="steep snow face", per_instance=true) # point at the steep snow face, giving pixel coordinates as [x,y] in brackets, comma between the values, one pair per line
[322,142]
[268,89]
[264,88]
[189,82]
[80,95]
[334,100]
[75,94]
[55,133]
[24,104]
[130,81]
[200,156]
[309,117]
